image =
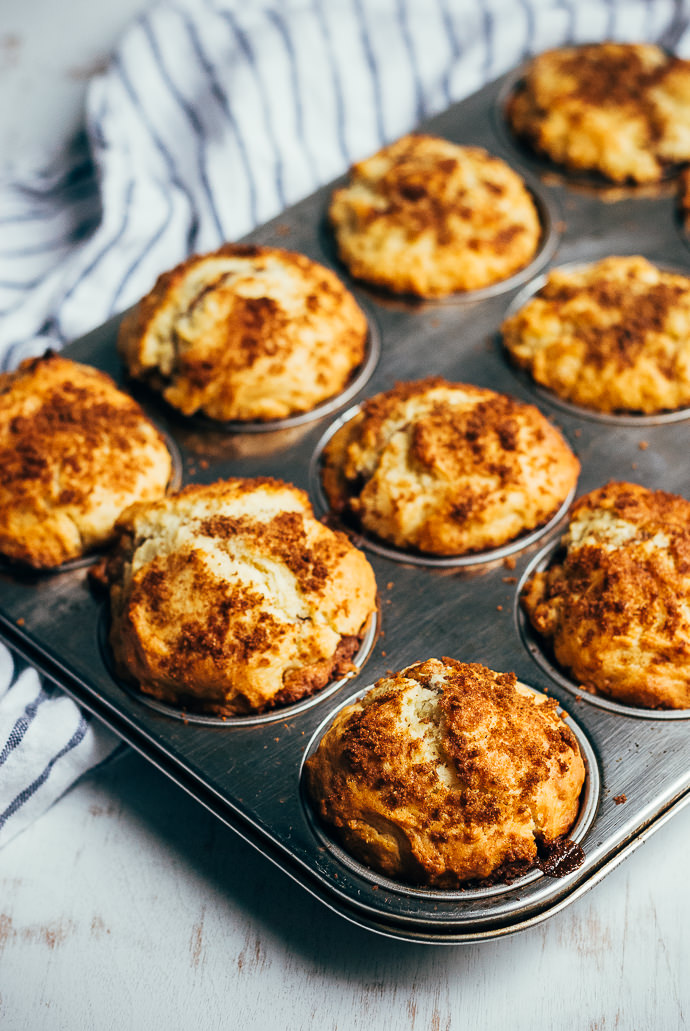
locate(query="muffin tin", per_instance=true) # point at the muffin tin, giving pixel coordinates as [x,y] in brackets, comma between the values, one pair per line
[248,771]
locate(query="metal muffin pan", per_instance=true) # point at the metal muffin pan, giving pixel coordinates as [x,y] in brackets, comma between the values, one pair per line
[248,773]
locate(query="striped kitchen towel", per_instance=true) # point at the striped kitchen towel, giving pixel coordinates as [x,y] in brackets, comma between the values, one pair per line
[211,117]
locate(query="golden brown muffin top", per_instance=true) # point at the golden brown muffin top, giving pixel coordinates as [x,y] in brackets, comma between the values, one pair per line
[621,109]
[427,216]
[519,742]
[232,597]
[74,451]
[615,609]
[245,333]
[447,772]
[612,336]
[447,467]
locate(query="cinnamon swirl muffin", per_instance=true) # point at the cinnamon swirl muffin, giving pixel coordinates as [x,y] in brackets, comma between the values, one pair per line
[615,610]
[232,598]
[428,217]
[613,336]
[74,451]
[447,468]
[618,109]
[245,333]
[447,773]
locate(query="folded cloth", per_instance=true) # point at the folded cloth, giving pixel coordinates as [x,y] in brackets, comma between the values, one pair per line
[211,117]
[46,744]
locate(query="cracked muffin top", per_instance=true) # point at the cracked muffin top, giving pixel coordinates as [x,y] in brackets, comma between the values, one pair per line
[428,217]
[245,333]
[74,452]
[232,598]
[447,468]
[447,773]
[621,110]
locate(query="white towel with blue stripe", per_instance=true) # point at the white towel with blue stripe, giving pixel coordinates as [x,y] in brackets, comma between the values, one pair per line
[211,117]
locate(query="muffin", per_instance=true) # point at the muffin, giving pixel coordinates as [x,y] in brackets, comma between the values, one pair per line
[447,468]
[74,452]
[245,333]
[613,336]
[232,598]
[621,110]
[428,217]
[447,773]
[615,610]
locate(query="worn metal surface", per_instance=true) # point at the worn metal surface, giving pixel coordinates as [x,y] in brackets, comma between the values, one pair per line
[248,773]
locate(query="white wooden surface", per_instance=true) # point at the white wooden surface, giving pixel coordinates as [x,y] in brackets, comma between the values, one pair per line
[129,907]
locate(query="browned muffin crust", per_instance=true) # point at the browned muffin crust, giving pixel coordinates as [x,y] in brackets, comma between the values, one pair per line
[447,468]
[613,336]
[447,773]
[74,451]
[428,217]
[615,610]
[245,333]
[619,109]
[232,598]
